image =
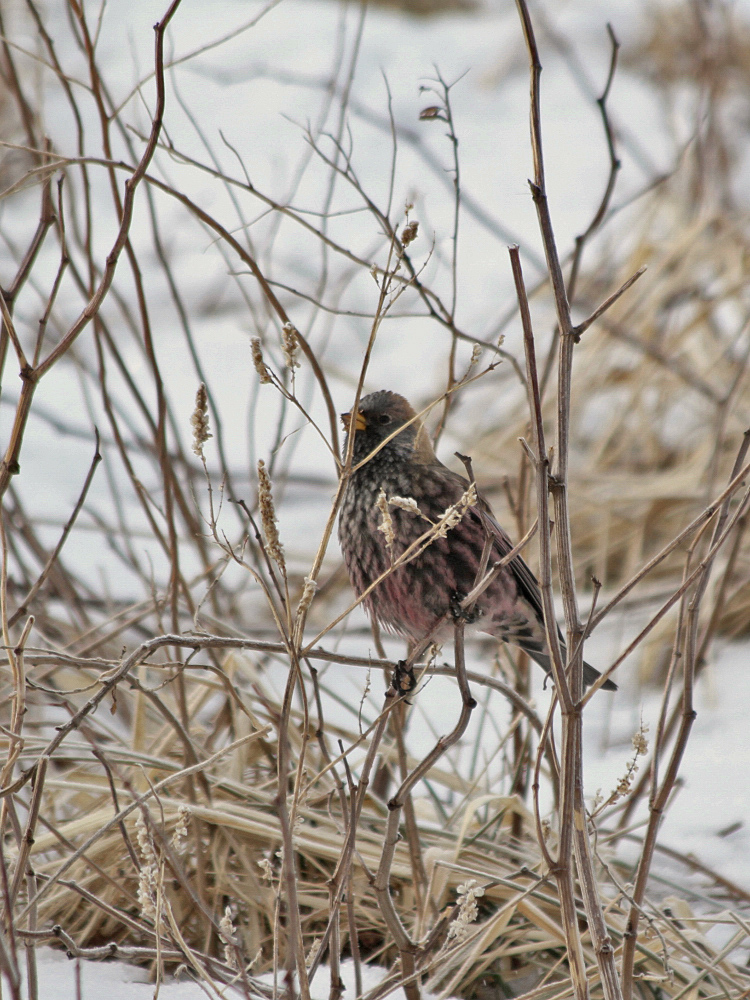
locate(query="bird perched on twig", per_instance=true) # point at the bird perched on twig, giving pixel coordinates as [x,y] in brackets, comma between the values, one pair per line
[404,492]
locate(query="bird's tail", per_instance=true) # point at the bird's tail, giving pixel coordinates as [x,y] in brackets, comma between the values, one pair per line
[590,673]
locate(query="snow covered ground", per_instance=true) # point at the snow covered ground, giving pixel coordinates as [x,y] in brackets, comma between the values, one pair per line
[63,979]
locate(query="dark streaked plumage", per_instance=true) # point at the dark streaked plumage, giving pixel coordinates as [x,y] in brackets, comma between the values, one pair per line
[415,595]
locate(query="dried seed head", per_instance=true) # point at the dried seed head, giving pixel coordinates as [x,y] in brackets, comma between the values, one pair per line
[144,840]
[386,522]
[225,924]
[308,592]
[640,743]
[199,420]
[312,952]
[179,835]
[289,346]
[148,875]
[428,114]
[268,517]
[409,504]
[476,353]
[624,785]
[267,871]
[455,512]
[409,233]
[226,929]
[263,373]
[147,882]
[468,911]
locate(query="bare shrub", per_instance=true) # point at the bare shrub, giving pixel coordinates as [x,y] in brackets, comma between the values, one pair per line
[200,769]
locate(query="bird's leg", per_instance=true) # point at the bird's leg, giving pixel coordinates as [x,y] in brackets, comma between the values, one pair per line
[458,613]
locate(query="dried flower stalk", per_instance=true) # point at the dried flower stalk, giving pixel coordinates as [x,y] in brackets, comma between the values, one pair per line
[199,420]
[259,364]
[268,517]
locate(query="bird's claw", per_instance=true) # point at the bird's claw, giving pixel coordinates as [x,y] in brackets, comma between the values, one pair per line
[404,680]
[458,613]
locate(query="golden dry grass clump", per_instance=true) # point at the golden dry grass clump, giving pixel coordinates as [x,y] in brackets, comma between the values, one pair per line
[146,852]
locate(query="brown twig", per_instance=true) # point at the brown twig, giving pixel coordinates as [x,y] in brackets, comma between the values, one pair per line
[403,941]
[31,376]
[573,828]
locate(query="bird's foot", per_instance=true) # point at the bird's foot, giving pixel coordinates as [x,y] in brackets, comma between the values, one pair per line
[403,679]
[467,617]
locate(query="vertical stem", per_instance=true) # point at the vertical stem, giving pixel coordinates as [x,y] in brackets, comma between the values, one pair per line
[660,795]
[296,954]
[31,969]
[340,876]
[572,810]
[419,884]
[404,943]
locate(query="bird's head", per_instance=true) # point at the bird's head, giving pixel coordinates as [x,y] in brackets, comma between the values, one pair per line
[380,415]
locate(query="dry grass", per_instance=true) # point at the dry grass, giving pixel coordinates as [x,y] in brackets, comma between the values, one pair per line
[229,856]
[667,398]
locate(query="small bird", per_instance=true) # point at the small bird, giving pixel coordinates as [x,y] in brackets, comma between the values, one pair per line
[374,531]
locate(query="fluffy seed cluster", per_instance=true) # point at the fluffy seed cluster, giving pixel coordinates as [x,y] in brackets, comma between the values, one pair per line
[453,514]
[267,871]
[199,421]
[640,743]
[449,519]
[624,785]
[409,233]
[148,877]
[226,928]
[386,522]
[179,836]
[289,346]
[468,911]
[308,592]
[268,517]
[259,364]
[409,504]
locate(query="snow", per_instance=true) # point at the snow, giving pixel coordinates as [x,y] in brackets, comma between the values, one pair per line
[57,979]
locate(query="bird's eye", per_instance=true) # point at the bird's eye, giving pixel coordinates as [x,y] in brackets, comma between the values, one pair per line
[385,418]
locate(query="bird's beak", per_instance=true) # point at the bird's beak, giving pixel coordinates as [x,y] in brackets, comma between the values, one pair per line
[360,421]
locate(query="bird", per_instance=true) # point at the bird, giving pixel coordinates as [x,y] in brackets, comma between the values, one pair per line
[389,502]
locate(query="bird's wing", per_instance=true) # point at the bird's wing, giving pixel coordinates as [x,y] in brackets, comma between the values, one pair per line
[528,585]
